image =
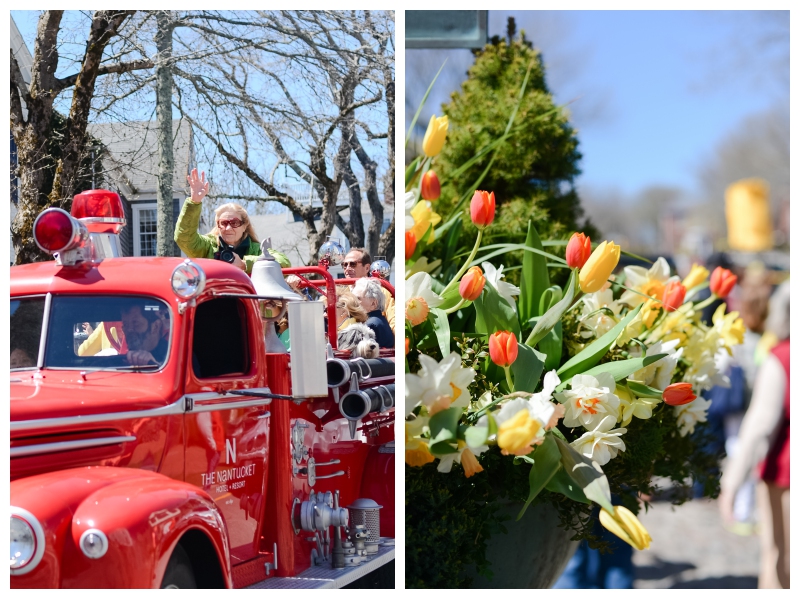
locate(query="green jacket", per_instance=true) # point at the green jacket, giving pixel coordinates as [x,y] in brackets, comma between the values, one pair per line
[195,245]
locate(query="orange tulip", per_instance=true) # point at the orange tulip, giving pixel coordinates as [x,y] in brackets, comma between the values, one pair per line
[407,340]
[472,283]
[411,244]
[579,249]
[678,394]
[674,292]
[722,281]
[430,188]
[503,348]
[481,209]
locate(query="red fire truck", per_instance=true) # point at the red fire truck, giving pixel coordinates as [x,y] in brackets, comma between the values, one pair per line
[175,446]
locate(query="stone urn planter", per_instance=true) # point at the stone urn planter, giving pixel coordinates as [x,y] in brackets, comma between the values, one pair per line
[531,555]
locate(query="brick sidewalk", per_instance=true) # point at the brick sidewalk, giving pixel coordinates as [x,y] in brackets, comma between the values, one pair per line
[691,550]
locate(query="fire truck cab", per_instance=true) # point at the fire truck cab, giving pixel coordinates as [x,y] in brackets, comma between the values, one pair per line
[159,441]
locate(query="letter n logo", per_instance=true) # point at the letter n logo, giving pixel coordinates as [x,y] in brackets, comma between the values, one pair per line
[230,451]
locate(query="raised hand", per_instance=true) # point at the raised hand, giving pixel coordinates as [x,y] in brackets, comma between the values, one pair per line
[198,185]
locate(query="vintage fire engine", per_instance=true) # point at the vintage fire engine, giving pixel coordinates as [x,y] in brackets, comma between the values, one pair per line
[179,444]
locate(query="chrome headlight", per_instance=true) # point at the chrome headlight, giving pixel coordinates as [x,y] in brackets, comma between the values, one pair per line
[27,541]
[188,280]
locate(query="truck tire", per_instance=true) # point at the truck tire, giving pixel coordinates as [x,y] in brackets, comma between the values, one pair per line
[179,574]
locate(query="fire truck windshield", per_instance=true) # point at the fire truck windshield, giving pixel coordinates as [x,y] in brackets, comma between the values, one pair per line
[93,331]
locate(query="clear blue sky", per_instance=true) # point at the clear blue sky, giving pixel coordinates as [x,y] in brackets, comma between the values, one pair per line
[657,90]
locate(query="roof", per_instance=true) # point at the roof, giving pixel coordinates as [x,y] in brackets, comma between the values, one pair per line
[128,276]
[133,155]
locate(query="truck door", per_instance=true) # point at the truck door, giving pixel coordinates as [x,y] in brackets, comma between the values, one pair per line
[228,434]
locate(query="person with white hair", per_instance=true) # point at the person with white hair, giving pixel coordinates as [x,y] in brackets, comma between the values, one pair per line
[764,447]
[370,295]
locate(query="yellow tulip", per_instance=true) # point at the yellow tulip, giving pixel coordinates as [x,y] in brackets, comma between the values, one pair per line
[424,218]
[435,136]
[599,266]
[697,275]
[626,526]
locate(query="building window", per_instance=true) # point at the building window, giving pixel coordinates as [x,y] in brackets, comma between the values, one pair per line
[145,230]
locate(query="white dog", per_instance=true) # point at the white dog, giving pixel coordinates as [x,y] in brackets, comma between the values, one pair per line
[359,340]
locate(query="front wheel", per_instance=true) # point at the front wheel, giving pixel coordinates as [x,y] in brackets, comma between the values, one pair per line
[179,573]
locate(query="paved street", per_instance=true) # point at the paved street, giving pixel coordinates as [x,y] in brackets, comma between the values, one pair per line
[691,550]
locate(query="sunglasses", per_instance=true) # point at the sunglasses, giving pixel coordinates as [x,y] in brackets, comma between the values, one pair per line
[349,264]
[234,224]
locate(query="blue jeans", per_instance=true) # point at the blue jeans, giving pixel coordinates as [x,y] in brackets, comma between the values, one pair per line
[589,569]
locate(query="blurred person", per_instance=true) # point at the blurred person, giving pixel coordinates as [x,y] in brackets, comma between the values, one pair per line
[764,444]
[145,335]
[232,239]
[356,265]
[348,311]
[370,296]
[106,336]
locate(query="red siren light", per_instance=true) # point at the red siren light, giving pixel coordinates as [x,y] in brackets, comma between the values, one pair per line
[100,209]
[56,231]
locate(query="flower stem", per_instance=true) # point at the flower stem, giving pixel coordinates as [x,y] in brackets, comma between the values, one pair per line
[508,379]
[456,307]
[466,264]
[705,302]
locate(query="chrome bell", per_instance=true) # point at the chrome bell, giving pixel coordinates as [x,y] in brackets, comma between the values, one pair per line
[380,267]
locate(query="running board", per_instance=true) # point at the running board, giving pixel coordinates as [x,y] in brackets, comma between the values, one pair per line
[325,577]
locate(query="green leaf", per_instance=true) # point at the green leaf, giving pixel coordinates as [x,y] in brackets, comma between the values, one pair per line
[449,299]
[587,474]
[554,314]
[550,297]
[493,313]
[443,422]
[563,484]
[412,169]
[534,277]
[619,370]
[505,248]
[547,461]
[640,390]
[442,329]
[451,243]
[595,351]
[476,435]
[527,368]
[442,448]
[551,346]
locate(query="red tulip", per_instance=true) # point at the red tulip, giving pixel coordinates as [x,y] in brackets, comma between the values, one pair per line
[722,281]
[472,283]
[503,348]
[674,292]
[678,394]
[430,188]
[579,249]
[411,244]
[481,209]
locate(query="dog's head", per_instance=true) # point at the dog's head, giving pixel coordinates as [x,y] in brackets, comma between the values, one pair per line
[359,340]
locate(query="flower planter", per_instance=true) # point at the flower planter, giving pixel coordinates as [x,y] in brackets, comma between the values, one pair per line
[531,555]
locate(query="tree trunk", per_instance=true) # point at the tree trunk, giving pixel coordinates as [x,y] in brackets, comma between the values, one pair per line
[165,245]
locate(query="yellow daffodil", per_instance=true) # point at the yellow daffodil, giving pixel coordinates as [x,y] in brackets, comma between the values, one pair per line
[599,266]
[435,135]
[465,456]
[626,526]
[424,218]
[697,275]
[419,456]
[649,283]
[729,326]
[417,453]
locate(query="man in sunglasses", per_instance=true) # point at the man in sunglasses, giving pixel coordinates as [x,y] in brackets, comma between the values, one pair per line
[233,239]
[356,265]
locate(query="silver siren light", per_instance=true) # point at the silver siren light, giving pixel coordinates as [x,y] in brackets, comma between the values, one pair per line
[380,267]
[268,281]
[332,251]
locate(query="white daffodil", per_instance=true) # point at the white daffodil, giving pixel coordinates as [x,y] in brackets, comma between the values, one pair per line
[521,425]
[649,282]
[598,322]
[466,456]
[420,298]
[423,266]
[658,374]
[438,385]
[690,414]
[411,199]
[589,400]
[506,290]
[602,443]
[630,406]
